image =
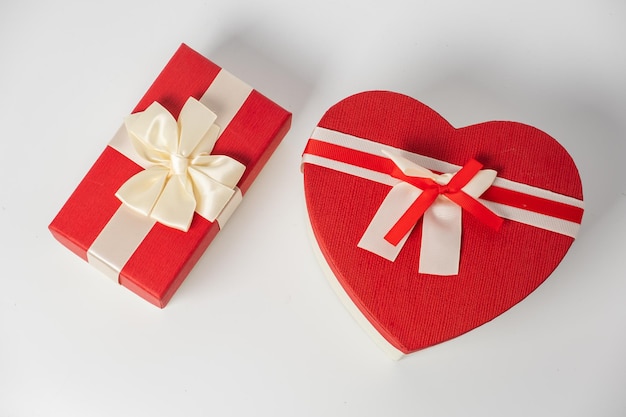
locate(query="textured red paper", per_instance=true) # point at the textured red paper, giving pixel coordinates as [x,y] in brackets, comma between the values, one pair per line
[165,257]
[497,269]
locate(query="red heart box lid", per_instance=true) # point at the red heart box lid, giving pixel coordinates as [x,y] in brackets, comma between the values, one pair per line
[418,250]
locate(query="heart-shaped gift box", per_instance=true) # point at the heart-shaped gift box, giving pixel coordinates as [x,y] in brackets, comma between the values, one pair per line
[427,231]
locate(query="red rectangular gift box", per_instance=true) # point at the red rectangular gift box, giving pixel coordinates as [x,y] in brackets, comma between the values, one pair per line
[154,262]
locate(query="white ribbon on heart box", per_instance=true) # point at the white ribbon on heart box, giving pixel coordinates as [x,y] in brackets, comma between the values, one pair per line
[441,223]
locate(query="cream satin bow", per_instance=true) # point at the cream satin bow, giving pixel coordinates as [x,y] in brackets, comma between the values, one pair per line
[184,177]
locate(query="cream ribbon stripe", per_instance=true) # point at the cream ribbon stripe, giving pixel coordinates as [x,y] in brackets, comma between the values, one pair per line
[125,231]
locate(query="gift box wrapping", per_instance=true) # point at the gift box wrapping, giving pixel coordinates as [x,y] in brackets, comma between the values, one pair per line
[145,256]
[368,164]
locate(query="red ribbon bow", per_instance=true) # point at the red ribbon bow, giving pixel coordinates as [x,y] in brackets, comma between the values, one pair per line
[431,190]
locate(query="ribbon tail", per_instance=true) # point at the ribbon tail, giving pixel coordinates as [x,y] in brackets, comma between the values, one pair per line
[176,205]
[411,216]
[440,250]
[395,204]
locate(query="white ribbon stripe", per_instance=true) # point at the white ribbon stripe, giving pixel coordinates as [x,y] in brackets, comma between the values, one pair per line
[374,148]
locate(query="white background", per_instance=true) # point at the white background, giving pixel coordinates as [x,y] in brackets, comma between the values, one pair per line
[256,329]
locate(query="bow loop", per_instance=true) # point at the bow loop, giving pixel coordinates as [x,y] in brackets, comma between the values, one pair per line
[183,178]
[154,132]
[196,126]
